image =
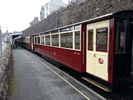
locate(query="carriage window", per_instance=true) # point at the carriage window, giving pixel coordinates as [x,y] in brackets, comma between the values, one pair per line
[38,40]
[35,40]
[47,40]
[55,40]
[120,36]
[55,31]
[47,33]
[77,40]
[67,29]
[42,34]
[77,27]
[102,39]
[90,39]
[67,40]
[42,40]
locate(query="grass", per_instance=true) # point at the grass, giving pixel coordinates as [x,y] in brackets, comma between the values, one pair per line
[8,46]
[11,83]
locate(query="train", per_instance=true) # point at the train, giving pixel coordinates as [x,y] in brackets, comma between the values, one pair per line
[99,48]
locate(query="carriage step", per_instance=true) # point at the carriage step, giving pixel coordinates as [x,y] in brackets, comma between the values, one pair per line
[99,85]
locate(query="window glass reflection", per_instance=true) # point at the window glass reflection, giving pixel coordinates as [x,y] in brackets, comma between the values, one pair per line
[120,40]
[90,39]
[77,27]
[55,40]
[47,40]
[42,40]
[77,40]
[102,35]
[67,40]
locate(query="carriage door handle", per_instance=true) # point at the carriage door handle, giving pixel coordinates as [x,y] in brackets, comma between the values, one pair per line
[94,55]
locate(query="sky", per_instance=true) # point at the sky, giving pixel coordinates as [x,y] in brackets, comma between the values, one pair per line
[15,15]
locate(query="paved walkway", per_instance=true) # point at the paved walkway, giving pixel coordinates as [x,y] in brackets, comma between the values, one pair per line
[36,79]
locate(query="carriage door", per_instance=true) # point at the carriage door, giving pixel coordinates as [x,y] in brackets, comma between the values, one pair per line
[32,41]
[97,52]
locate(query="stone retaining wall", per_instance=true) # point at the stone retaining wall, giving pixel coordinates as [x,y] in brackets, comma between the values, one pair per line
[78,12]
[6,65]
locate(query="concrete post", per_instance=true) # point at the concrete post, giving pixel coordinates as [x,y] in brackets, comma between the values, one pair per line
[0,41]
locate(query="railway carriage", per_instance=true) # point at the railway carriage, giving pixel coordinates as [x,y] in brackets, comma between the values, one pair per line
[99,48]
[20,41]
[25,42]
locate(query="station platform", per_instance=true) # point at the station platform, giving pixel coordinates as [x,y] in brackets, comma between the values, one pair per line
[36,79]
